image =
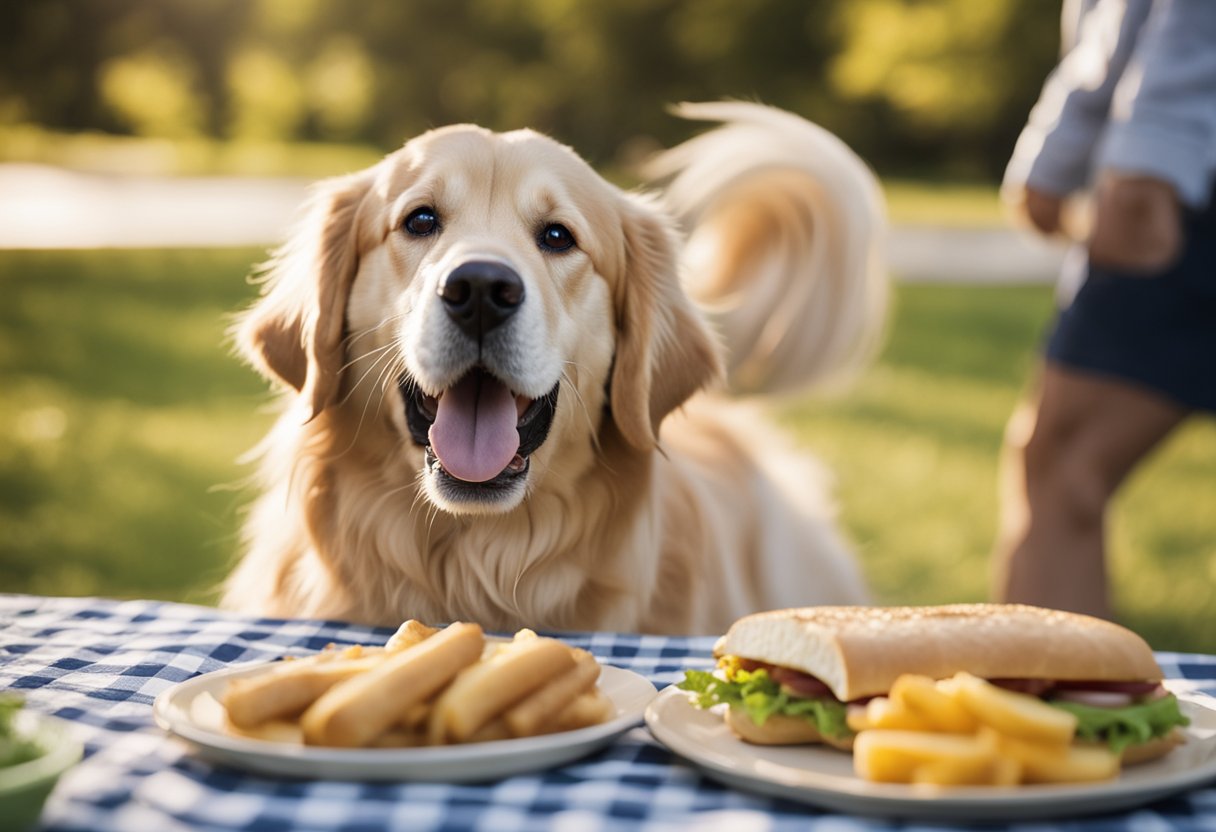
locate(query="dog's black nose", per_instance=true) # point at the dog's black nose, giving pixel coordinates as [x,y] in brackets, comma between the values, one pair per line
[480,295]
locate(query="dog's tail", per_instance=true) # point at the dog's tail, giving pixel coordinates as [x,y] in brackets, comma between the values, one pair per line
[786,237]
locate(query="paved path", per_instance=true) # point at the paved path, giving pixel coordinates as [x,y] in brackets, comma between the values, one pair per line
[43,207]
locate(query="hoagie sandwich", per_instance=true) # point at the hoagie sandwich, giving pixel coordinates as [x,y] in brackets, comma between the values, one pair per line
[793,676]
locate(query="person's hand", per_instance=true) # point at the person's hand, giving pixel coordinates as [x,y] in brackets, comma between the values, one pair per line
[1042,210]
[1137,224]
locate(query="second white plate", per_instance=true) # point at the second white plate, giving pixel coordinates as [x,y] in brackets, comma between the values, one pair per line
[183,710]
[824,777]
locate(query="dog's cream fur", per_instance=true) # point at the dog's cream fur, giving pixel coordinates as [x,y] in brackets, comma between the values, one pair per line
[651,506]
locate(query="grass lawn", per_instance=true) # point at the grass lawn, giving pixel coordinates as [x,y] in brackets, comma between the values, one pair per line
[122,416]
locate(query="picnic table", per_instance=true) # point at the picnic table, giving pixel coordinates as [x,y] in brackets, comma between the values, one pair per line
[99,664]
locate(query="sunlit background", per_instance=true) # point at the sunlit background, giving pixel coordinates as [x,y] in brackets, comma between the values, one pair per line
[158,123]
[927,88]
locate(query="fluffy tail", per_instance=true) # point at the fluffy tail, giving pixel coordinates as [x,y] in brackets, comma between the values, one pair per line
[785,251]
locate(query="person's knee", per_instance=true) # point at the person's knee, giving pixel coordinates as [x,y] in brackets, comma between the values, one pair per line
[1064,477]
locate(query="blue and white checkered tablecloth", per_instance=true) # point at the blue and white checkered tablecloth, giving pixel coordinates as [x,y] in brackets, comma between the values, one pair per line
[100,663]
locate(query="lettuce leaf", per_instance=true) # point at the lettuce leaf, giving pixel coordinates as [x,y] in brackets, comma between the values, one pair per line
[761,697]
[14,749]
[1121,727]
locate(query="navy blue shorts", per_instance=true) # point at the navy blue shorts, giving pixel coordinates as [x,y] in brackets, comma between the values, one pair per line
[1158,332]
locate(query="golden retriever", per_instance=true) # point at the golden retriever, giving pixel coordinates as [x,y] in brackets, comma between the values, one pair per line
[511,387]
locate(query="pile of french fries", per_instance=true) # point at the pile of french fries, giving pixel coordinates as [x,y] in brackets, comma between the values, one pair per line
[425,686]
[966,731]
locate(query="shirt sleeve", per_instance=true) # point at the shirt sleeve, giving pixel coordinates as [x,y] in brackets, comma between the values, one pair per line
[1163,114]
[1055,151]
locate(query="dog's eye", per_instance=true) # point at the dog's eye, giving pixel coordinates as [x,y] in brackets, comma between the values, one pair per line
[556,237]
[422,222]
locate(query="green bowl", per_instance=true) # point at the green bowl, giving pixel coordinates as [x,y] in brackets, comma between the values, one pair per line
[24,787]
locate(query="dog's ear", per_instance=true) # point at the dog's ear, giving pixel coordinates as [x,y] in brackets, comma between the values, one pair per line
[664,350]
[294,331]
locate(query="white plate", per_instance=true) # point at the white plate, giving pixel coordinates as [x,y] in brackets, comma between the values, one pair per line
[824,777]
[189,711]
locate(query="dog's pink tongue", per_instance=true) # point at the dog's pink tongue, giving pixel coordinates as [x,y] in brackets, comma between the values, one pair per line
[474,432]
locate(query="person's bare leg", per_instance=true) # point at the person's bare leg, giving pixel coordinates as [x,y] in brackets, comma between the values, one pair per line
[1063,460]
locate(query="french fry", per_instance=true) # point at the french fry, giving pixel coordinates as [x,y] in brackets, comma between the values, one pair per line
[888,714]
[357,651]
[999,771]
[275,730]
[857,719]
[289,688]
[955,773]
[921,696]
[1001,739]
[1014,714]
[423,686]
[495,729]
[1043,763]
[892,756]
[590,708]
[1006,771]
[415,716]
[356,712]
[399,738]
[408,634]
[490,687]
[527,718]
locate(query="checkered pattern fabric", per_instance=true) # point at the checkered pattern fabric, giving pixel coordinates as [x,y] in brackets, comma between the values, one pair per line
[100,664]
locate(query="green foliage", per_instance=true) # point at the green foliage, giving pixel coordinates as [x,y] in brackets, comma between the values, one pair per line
[954,74]
[913,85]
[153,91]
[123,415]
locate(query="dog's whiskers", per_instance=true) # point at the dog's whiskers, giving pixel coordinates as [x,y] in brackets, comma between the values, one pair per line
[350,339]
[359,427]
[419,490]
[550,472]
[369,354]
[591,429]
[388,380]
[380,354]
[573,387]
[399,489]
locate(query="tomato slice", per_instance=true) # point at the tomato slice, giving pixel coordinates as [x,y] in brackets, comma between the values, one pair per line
[1032,687]
[800,683]
[1130,688]
[797,682]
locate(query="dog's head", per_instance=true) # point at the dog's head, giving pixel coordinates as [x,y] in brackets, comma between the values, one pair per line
[487,299]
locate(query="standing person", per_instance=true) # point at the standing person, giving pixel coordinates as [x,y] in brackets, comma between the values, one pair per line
[1129,112]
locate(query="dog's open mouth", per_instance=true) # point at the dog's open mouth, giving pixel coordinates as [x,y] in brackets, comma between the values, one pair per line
[478,431]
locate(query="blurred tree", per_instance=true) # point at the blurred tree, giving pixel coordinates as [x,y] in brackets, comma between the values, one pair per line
[340,86]
[956,75]
[927,86]
[265,97]
[154,91]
